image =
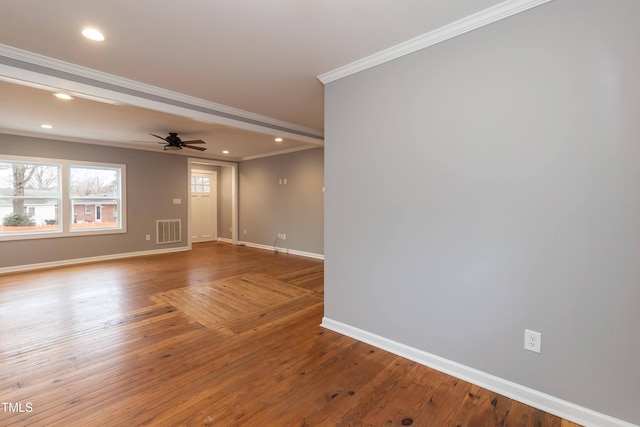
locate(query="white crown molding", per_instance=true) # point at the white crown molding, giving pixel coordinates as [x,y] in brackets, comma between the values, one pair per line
[277,153]
[545,402]
[53,83]
[464,25]
[88,73]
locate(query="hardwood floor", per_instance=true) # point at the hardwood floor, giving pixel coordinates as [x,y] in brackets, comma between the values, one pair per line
[218,336]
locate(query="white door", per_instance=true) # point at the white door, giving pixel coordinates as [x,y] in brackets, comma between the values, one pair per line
[204,206]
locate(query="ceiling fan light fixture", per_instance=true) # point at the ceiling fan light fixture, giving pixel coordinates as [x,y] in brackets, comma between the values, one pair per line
[93,34]
[173,142]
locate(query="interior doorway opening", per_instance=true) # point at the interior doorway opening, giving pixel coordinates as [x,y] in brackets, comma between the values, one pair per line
[226,199]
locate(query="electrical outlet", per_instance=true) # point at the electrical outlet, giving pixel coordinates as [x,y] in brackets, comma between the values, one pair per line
[148,236]
[284,237]
[532,341]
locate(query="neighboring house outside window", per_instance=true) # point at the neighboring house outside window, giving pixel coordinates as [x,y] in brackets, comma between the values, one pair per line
[87,213]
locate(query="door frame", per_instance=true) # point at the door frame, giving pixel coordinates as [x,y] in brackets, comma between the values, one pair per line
[193,163]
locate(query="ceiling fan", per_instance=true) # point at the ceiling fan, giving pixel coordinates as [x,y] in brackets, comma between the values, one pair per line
[173,142]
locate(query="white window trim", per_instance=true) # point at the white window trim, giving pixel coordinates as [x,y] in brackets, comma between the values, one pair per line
[65,212]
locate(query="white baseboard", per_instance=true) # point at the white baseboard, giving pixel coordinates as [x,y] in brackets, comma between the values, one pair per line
[39,266]
[224,239]
[53,264]
[528,396]
[282,250]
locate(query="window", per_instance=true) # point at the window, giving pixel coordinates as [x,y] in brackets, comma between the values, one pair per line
[52,198]
[95,197]
[200,184]
[30,197]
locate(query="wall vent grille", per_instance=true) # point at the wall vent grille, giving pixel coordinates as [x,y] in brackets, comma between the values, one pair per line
[168,231]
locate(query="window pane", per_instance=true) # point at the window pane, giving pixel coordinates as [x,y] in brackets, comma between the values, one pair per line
[29,176]
[95,213]
[29,197]
[93,182]
[44,217]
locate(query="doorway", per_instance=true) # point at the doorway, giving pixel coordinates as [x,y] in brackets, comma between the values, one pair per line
[230,171]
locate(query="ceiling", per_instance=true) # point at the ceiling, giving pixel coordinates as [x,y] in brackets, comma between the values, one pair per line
[234,74]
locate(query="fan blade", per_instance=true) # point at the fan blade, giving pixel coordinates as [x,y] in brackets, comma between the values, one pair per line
[194,148]
[195,141]
[164,139]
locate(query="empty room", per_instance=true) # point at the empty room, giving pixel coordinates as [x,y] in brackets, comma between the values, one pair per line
[294,213]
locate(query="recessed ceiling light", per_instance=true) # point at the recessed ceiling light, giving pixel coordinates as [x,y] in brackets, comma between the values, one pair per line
[46,126]
[93,34]
[225,152]
[278,139]
[63,96]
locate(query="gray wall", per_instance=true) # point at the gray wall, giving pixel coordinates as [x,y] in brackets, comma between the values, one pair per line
[153,181]
[295,209]
[490,184]
[268,208]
